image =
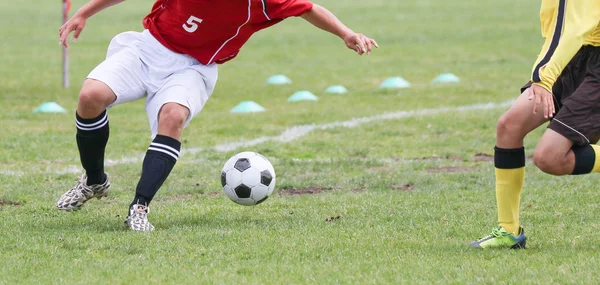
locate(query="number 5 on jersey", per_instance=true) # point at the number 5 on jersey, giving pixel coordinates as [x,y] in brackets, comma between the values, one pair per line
[191,25]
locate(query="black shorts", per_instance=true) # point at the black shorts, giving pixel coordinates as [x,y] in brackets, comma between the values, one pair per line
[577,98]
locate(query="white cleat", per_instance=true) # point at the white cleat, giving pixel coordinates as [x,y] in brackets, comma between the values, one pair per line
[137,220]
[74,199]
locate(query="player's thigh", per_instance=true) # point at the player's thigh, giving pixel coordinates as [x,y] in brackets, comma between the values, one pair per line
[186,88]
[579,118]
[553,145]
[520,119]
[123,73]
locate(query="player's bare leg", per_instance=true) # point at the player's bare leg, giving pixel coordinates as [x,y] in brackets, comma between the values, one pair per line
[92,136]
[171,120]
[94,97]
[158,163]
[509,160]
[517,122]
[553,154]
[557,155]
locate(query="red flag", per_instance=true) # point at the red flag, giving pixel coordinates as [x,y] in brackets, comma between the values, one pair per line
[68,6]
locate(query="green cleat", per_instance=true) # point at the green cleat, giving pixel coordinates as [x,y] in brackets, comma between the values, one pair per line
[500,238]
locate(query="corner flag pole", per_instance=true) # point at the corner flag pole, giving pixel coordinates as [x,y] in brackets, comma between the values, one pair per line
[66,6]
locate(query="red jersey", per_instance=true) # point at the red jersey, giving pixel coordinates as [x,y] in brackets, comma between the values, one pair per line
[213,31]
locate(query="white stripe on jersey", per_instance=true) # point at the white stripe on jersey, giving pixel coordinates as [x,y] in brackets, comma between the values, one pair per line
[236,34]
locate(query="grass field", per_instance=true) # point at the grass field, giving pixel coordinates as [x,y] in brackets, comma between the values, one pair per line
[391,201]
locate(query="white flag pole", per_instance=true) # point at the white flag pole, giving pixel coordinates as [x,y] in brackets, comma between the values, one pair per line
[65,51]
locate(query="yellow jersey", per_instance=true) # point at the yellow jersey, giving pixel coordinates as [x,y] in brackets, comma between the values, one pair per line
[567,25]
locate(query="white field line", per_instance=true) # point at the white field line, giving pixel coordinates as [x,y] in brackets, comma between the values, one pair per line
[290,134]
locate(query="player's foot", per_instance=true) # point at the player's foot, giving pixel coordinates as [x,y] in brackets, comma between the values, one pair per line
[500,238]
[137,219]
[74,199]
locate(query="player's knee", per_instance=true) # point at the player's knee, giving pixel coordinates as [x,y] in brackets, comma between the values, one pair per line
[545,159]
[508,126]
[173,115]
[94,99]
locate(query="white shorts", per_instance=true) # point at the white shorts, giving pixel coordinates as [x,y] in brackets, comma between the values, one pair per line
[137,66]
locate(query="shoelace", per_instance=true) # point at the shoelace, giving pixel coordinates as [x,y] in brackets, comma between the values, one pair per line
[75,190]
[141,211]
[496,232]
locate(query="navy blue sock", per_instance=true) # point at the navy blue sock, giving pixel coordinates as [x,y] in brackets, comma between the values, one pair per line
[92,137]
[158,163]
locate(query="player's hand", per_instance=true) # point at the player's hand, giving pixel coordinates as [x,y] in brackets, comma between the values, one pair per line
[360,43]
[543,99]
[77,23]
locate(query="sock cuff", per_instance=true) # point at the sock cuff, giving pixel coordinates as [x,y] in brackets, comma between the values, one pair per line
[93,123]
[585,158]
[166,145]
[509,158]
[596,149]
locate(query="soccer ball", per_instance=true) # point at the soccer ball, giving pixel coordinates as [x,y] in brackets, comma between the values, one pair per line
[248,178]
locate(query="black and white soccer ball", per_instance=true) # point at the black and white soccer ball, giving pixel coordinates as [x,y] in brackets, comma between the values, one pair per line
[248,178]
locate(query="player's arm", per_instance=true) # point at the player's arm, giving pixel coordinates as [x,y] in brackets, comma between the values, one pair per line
[325,20]
[77,22]
[579,18]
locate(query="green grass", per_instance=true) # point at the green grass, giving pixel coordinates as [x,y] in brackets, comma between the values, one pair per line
[384,234]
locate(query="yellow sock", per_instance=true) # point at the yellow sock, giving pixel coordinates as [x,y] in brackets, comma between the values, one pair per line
[596,168]
[509,183]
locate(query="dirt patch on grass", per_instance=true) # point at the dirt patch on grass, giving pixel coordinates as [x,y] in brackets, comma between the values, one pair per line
[451,169]
[291,191]
[403,187]
[10,203]
[483,157]
[437,157]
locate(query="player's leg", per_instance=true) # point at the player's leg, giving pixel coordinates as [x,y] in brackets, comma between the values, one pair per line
[568,146]
[509,158]
[163,152]
[93,128]
[509,162]
[169,111]
[92,137]
[114,81]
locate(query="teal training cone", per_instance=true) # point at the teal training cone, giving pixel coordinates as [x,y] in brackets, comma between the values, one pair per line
[247,107]
[336,89]
[303,96]
[446,78]
[49,107]
[395,83]
[279,79]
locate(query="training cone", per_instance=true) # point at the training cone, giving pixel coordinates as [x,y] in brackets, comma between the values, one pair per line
[49,107]
[303,96]
[279,79]
[247,107]
[336,89]
[446,78]
[395,83]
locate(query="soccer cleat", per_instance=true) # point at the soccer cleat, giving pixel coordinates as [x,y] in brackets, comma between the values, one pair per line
[500,238]
[137,219]
[74,199]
